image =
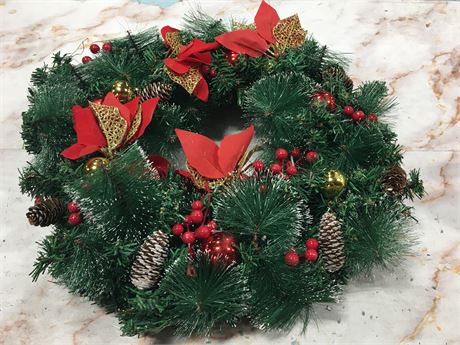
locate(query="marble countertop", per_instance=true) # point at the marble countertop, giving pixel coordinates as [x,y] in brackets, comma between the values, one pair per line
[414,45]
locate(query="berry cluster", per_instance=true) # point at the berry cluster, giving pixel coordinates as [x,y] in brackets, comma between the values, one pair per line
[358,115]
[208,71]
[326,98]
[94,48]
[291,258]
[286,162]
[194,226]
[75,216]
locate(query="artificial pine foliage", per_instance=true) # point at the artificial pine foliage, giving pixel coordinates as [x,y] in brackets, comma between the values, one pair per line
[296,94]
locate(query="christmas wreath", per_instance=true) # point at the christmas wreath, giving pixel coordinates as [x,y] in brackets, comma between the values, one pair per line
[250,229]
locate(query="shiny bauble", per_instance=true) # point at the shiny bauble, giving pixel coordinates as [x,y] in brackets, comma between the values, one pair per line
[123,91]
[95,164]
[221,247]
[335,183]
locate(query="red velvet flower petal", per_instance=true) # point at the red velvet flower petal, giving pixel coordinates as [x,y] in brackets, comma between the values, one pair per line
[132,106]
[176,66]
[87,128]
[164,30]
[266,19]
[111,100]
[245,41]
[148,108]
[201,153]
[79,150]
[232,149]
[201,90]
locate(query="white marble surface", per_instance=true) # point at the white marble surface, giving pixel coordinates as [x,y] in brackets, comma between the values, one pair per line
[412,44]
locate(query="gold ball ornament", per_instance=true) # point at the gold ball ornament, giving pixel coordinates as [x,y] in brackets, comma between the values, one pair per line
[123,91]
[335,183]
[95,164]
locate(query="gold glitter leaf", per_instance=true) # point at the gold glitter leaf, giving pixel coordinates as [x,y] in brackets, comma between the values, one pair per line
[289,33]
[242,26]
[187,80]
[135,124]
[173,39]
[112,124]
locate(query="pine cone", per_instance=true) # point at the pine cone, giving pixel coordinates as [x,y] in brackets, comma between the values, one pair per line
[394,180]
[47,212]
[157,89]
[338,72]
[147,266]
[331,242]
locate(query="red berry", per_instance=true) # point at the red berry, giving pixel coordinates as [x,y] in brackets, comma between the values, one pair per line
[107,47]
[281,154]
[348,110]
[196,216]
[276,168]
[258,165]
[330,100]
[213,73]
[213,224]
[187,220]
[358,116]
[295,153]
[291,170]
[177,229]
[311,157]
[86,59]
[188,237]
[74,218]
[38,200]
[73,207]
[291,258]
[311,255]
[94,48]
[203,232]
[372,118]
[205,69]
[311,244]
[197,205]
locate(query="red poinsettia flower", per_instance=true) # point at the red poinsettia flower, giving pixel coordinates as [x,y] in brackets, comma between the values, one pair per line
[209,159]
[106,125]
[256,42]
[187,59]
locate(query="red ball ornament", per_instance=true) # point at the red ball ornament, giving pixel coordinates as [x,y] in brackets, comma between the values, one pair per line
[358,116]
[196,216]
[295,153]
[291,170]
[291,258]
[311,157]
[311,255]
[73,207]
[372,118]
[213,73]
[231,57]
[177,229]
[205,69]
[276,168]
[311,244]
[188,237]
[348,110]
[258,165]
[74,218]
[281,154]
[203,232]
[221,247]
[213,224]
[86,59]
[325,97]
[197,205]
[107,47]
[94,48]
[38,200]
